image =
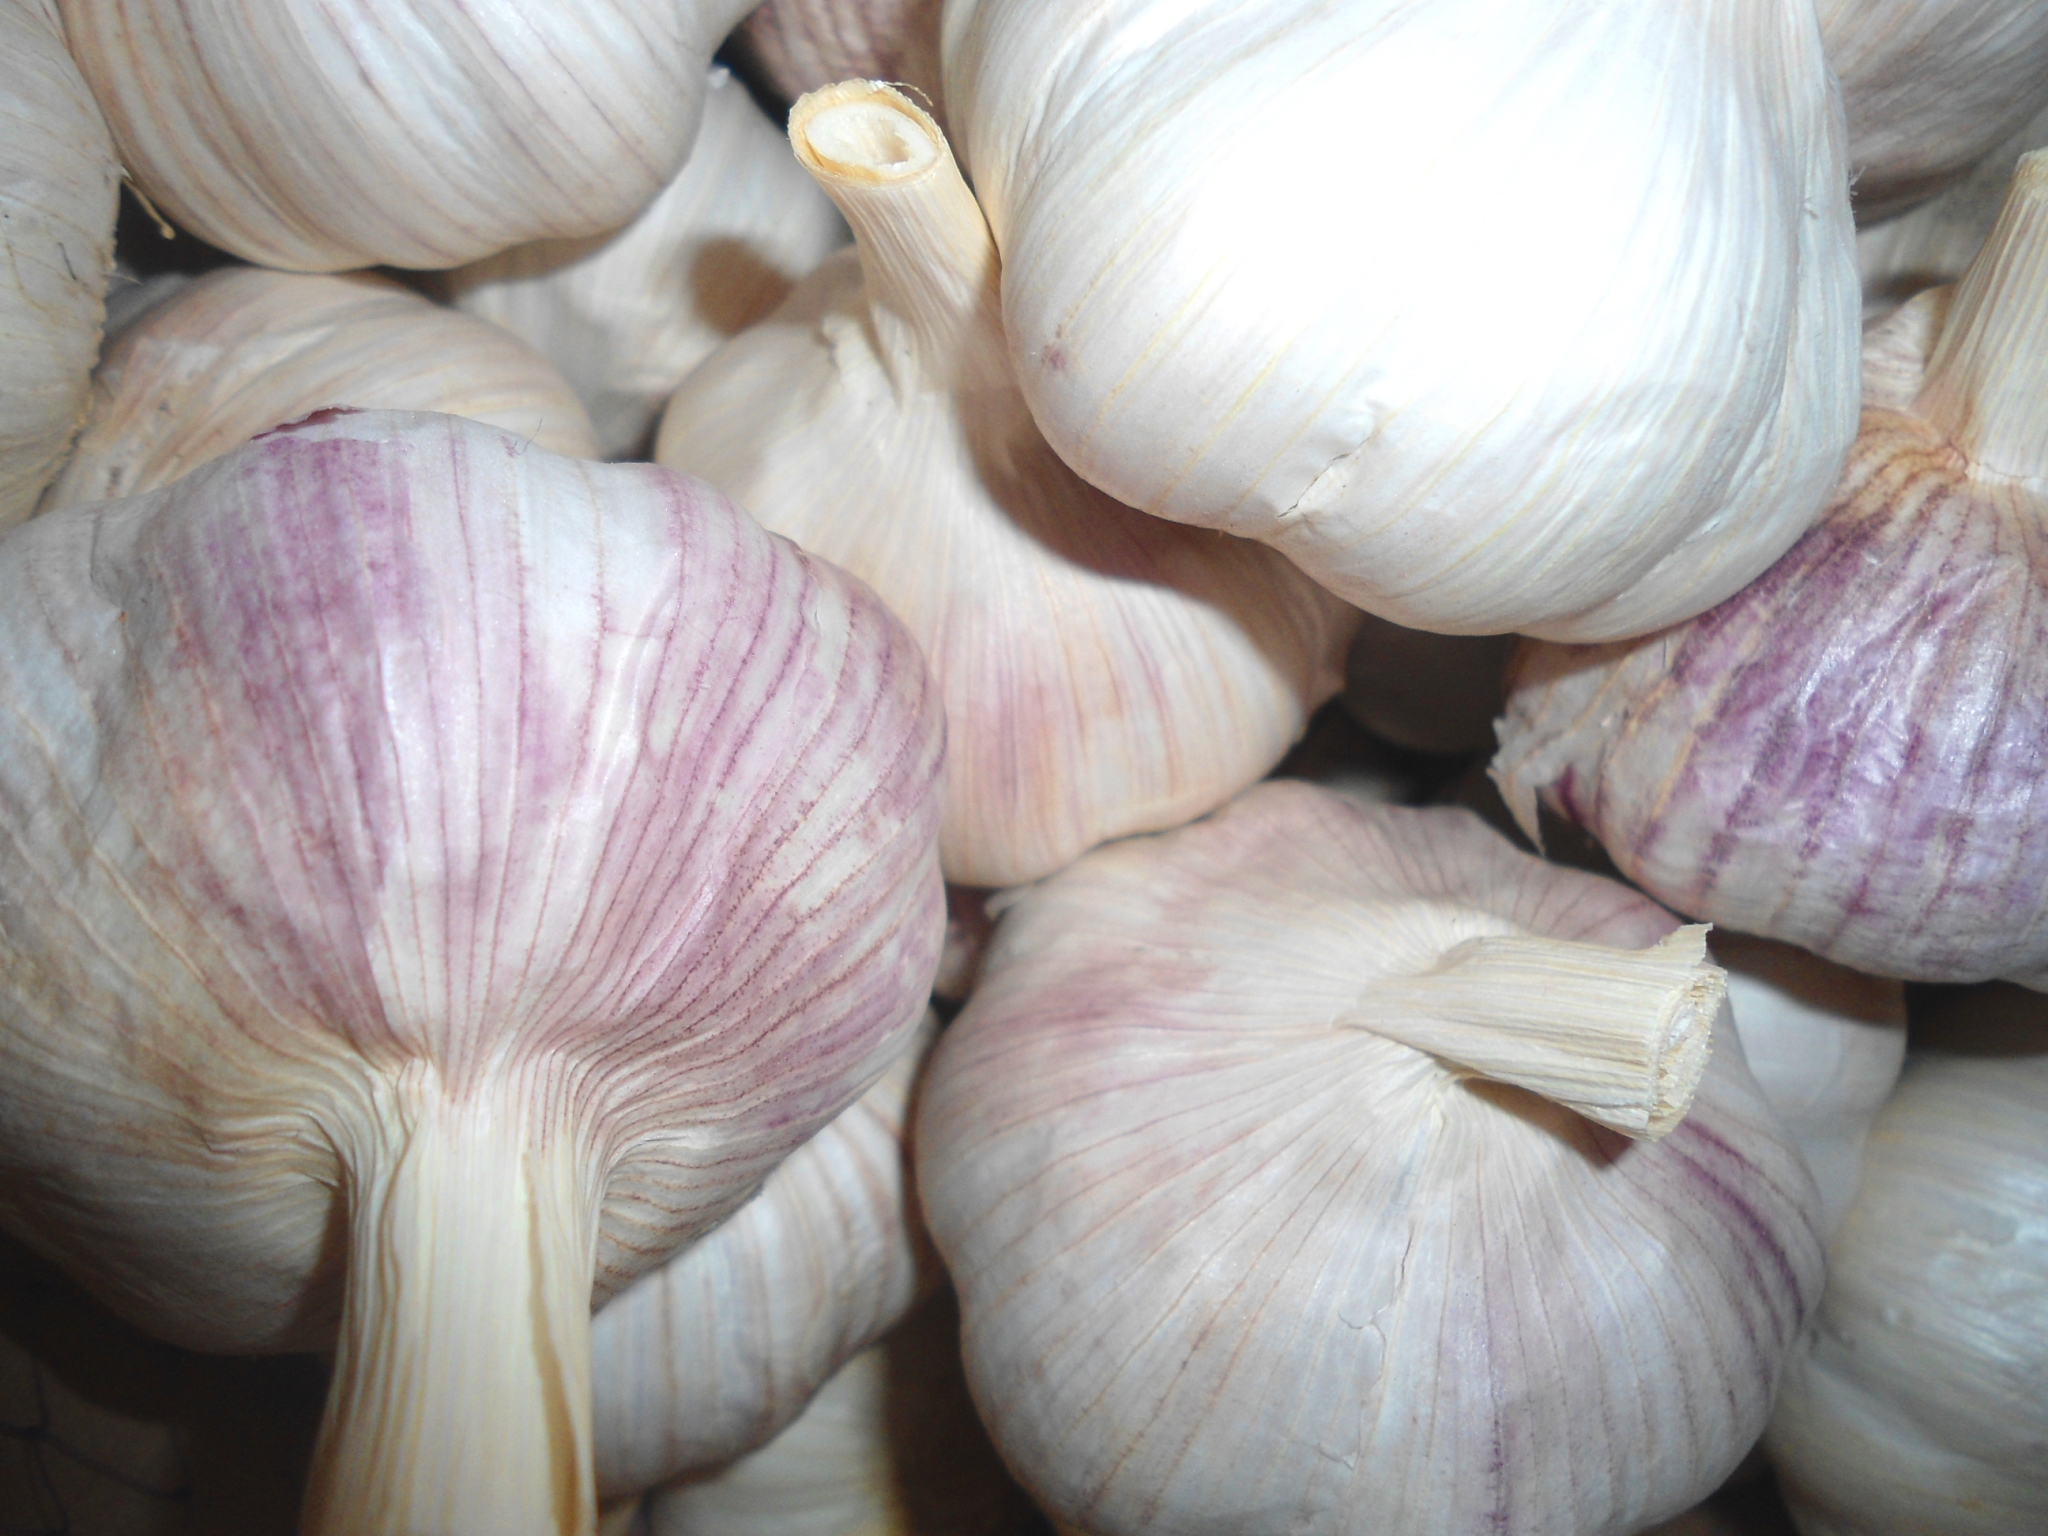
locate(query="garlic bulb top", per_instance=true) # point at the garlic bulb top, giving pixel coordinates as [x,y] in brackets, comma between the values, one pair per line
[59,184]
[1918,1405]
[1103,672]
[1928,86]
[242,350]
[1846,756]
[1245,1244]
[318,135]
[797,46]
[626,315]
[1492,314]
[449,874]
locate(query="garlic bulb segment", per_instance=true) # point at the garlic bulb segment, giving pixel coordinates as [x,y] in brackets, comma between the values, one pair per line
[1233,1257]
[795,46]
[1598,425]
[1929,86]
[626,315]
[1917,1407]
[1846,756]
[242,350]
[1424,691]
[1103,672]
[59,184]
[442,878]
[1825,1045]
[318,136]
[710,1356]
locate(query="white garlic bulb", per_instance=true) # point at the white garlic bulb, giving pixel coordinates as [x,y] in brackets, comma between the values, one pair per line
[59,184]
[796,46]
[1492,314]
[242,350]
[1233,1257]
[318,135]
[1103,672]
[626,315]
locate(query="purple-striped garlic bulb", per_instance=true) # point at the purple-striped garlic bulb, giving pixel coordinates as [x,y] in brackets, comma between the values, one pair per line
[1284,1166]
[440,878]
[797,46]
[1104,672]
[242,350]
[1847,755]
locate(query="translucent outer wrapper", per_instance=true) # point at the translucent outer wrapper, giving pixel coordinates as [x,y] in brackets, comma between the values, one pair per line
[1227,1265]
[796,46]
[1492,314]
[626,315]
[318,135]
[58,187]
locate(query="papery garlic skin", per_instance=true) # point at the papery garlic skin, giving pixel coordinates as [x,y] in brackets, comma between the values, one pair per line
[319,136]
[1928,86]
[1919,1405]
[626,315]
[1491,316]
[59,183]
[419,844]
[1228,1263]
[796,46]
[242,350]
[1104,672]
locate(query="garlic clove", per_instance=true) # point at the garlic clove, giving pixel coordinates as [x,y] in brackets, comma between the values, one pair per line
[59,183]
[1103,672]
[795,46]
[1846,756]
[1593,427]
[319,136]
[1227,1261]
[626,315]
[240,350]
[447,874]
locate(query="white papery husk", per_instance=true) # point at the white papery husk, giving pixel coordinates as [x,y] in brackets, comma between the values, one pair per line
[1825,1045]
[1229,1259]
[1930,86]
[795,46]
[712,1355]
[242,350]
[1491,314]
[319,135]
[1104,672]
[441,877]
[1918,1406]
[625,316]
[59,185]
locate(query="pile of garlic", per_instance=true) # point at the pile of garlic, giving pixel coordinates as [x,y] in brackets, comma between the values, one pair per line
[763,989]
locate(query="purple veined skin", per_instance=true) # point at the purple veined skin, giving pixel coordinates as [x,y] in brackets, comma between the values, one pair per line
[1231,1259]
[1846,756]
[440,879]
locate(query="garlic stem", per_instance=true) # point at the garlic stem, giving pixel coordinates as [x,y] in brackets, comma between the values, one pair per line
[1987,382]
[460,1403]
[926,254]
[1617,1035]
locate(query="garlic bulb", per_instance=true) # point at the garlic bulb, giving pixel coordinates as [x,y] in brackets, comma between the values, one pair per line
[1103,672]
[448,875]
[795,46]
[711,1355]
[1919,1404]
[1232,1256]
[241,350]
[1492,314]
[1930,86]
[626,315]
[1825,1045]
[318,135]
[1846,756]
[58,187]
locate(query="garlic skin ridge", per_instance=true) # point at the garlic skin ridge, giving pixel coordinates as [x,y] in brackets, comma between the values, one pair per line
[418,842]
[1104,672]
[1609,430]
[626,315]
[242,350]
[59,186]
